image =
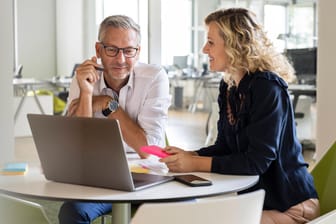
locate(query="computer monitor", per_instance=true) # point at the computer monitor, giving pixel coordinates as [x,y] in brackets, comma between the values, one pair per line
[304,62]
[180,62]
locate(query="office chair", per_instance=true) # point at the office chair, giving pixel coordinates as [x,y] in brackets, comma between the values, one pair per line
[63,95]
[18,72]
[17,211]
[242,209]
[324,173]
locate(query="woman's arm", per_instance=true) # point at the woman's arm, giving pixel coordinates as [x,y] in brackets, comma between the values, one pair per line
[186,161]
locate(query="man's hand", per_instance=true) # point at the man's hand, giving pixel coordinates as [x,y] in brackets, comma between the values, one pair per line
[87,75]
[100,103]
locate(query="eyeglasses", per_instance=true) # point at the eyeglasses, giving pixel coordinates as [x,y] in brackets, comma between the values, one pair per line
[129,52]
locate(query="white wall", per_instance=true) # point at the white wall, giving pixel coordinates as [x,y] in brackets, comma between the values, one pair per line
[6,79]
[54,36]
[90,29]
[76,33]
[37,38]
[70,34]
[326,77]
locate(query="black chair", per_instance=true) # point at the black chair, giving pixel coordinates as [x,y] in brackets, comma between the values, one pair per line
[63,95]
[18,72]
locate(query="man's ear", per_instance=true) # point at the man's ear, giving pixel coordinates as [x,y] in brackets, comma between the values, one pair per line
[98,49]
[138,53]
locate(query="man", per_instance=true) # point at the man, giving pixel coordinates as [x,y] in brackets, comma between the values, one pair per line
[120,88]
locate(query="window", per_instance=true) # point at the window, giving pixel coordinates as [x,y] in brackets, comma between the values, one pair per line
[176,18]
[302,26]
[291,25]
[275,25]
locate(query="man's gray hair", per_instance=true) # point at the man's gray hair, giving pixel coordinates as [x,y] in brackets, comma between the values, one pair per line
[118,21]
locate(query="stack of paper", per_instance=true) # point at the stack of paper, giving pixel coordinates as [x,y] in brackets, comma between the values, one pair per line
[15,168]
[149,165]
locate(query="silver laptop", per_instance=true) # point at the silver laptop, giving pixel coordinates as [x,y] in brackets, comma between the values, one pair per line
[86,151]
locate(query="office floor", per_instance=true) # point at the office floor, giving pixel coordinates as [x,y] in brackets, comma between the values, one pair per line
[185,130]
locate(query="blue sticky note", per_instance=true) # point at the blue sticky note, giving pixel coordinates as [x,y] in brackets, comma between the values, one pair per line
[15,167]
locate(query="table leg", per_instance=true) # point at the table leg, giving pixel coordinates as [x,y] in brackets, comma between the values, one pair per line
[121,213]
[198,83]
[38,102]
[18,109]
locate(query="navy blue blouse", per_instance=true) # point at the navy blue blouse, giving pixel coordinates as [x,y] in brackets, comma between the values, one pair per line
[262,141]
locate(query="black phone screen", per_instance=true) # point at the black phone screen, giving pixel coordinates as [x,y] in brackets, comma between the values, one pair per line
[192,180]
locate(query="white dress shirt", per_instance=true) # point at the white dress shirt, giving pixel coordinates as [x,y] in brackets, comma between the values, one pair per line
[145,98]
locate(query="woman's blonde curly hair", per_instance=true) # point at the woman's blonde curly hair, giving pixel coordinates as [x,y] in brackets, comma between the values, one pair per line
[247,45]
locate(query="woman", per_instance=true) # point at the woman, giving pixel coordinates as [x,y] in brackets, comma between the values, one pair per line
[256,126]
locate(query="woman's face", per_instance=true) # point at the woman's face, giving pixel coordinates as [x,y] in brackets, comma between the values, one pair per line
[215,49]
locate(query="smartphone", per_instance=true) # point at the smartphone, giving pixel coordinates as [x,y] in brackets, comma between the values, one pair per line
[192,180]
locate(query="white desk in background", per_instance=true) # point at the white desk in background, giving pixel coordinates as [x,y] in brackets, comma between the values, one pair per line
[22,87]
[204,83]
[301,89]
[200,84]
[61,82]
[33,184]
[298,90]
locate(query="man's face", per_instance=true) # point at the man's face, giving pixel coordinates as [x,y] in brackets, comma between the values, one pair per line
[121,65]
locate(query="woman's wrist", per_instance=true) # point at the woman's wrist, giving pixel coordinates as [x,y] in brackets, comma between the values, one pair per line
[202,163]
[193,153]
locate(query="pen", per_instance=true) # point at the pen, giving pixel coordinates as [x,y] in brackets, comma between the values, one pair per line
[99,68]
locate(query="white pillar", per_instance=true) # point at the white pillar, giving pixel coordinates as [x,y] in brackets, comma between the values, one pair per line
[154,21]
[6,81]
[70,34]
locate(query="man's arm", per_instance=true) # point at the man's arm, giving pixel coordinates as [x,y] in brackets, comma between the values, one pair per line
[85,78]
[81,107]
[132,133]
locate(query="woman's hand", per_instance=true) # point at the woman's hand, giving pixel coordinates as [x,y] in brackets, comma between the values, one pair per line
[179,160]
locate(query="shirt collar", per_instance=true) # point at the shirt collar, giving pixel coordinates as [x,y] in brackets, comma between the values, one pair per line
[102,84]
